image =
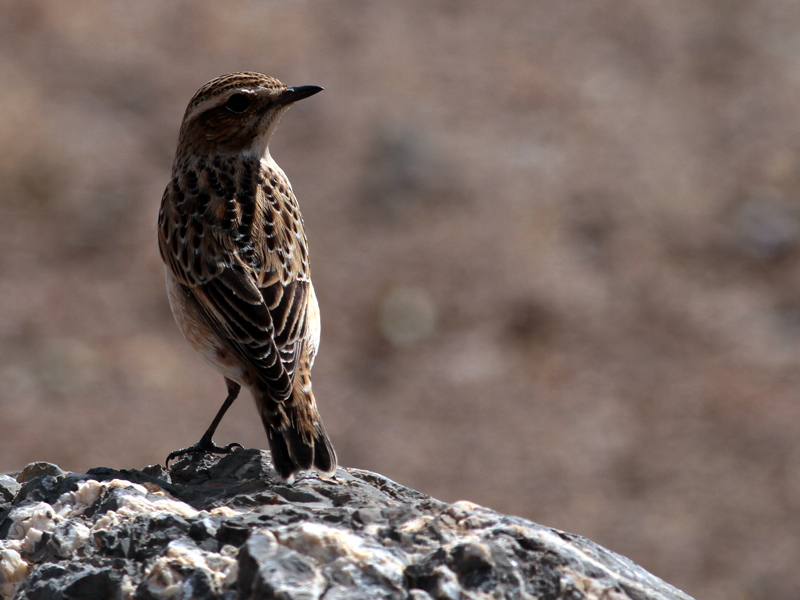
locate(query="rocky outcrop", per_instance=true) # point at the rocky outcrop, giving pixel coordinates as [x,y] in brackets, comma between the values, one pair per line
[230,528]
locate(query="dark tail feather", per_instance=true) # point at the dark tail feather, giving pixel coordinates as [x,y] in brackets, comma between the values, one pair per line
[299,451]
[291,454]
[284,464]
[324,454]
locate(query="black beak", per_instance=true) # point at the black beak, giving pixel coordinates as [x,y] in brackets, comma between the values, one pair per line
[293,94]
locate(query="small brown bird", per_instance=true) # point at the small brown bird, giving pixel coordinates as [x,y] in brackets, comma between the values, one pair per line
[232,238]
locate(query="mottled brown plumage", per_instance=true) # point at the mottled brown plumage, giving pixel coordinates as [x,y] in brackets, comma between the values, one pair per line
[233,242]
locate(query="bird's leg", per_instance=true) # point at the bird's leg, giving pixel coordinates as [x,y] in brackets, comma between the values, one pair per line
[206,443]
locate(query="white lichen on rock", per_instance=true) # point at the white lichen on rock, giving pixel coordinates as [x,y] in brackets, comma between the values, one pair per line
[230,527]
[167,576]
[30,522]
[349,558]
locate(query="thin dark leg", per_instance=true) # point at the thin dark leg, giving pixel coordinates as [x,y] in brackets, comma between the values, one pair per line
[206,443]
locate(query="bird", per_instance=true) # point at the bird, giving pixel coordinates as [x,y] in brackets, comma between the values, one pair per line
[235,252]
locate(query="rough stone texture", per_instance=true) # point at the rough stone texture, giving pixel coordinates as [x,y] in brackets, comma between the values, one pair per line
[229,528]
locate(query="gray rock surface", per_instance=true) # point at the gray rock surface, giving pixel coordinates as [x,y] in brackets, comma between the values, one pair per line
[230,528]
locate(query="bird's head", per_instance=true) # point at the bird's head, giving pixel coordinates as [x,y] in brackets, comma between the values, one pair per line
[237,113]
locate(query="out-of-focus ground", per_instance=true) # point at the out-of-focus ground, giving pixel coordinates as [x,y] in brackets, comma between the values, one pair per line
[556,246]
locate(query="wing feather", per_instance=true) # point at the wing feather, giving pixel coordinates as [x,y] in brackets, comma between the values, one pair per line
[210,245]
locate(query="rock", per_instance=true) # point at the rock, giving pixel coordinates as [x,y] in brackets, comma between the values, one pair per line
[228,528]
[9,487]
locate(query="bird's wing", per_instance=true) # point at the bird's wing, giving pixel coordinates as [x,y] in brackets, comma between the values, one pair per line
[265,324]
[254,306]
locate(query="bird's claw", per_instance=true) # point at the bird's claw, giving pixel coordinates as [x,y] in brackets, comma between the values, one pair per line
[207,446]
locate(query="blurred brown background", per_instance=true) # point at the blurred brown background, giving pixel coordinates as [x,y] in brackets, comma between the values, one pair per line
[556,246]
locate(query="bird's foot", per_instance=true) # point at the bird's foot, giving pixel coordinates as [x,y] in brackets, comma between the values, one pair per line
[204,445]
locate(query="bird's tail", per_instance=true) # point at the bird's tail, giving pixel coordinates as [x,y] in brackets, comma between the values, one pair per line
[296,435]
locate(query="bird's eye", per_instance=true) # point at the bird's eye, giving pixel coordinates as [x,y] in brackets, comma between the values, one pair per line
[238,103]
